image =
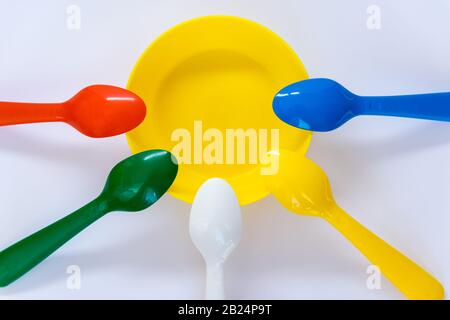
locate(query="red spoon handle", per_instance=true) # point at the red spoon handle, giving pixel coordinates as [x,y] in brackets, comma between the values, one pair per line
[20,112]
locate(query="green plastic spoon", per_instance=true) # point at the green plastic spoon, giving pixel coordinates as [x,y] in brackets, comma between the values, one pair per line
[133,184]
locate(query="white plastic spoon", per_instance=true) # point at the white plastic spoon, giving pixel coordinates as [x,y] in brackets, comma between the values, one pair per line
[215,229]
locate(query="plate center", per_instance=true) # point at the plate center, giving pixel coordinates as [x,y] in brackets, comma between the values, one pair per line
[217,93]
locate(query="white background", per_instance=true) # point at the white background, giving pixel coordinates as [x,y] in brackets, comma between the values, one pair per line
[391,174]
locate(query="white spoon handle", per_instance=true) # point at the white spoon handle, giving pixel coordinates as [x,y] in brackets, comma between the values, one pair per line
[214,282]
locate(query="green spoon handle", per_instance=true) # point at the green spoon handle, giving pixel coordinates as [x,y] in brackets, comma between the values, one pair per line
[24,255]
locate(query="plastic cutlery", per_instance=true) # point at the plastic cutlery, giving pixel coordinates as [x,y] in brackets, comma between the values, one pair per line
[133,184]
[215,229]
[96,111]
[324,105]
[307,191]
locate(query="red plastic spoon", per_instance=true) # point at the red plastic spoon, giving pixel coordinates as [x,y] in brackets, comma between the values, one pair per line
[96,111]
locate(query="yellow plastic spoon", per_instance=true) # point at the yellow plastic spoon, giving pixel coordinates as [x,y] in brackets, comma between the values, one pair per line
[302,187]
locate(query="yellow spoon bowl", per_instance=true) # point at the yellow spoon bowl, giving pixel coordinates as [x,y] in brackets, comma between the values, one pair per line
[202,81]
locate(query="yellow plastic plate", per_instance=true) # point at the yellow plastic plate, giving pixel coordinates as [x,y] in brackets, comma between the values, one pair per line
[205,78]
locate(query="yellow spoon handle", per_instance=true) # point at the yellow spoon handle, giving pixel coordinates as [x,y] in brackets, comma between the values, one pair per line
[412,280]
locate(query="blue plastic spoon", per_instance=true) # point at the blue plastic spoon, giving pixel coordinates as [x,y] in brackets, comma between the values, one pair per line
[324,105]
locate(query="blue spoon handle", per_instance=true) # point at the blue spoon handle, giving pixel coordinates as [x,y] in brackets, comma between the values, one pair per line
[433,106]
